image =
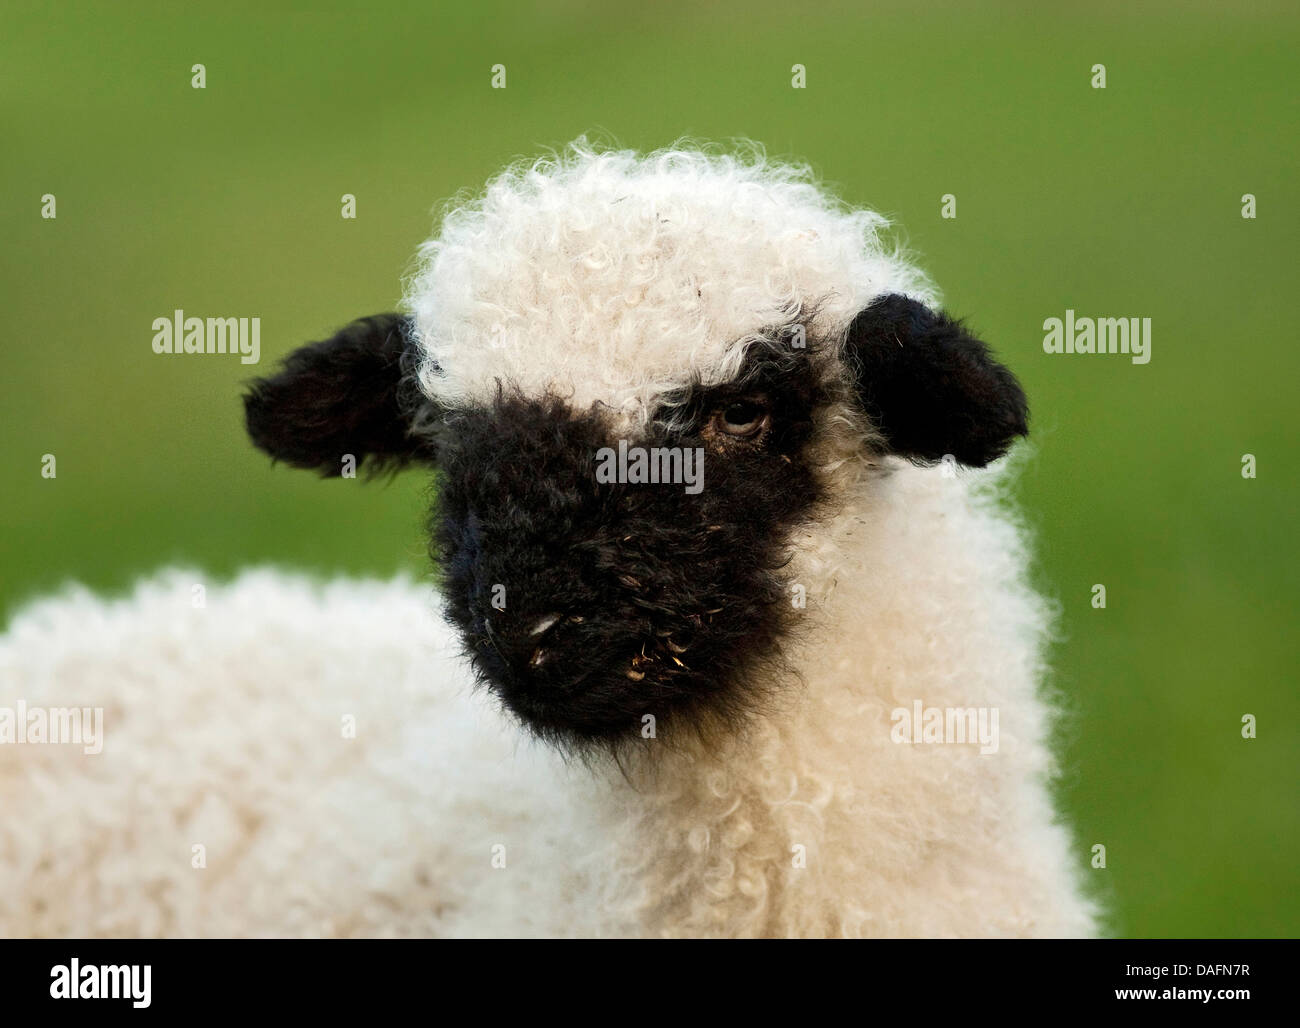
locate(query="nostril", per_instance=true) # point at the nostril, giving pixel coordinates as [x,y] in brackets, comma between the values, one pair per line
[540,627]
[543,624]
[526,642]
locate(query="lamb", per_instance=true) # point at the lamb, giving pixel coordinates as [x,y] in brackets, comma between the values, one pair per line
[652,710]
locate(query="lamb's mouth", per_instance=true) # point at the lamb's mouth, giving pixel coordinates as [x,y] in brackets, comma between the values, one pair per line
[659,650]
[571,682]
[662,654]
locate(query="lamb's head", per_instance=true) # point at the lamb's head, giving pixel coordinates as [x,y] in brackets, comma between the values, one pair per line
[634,376]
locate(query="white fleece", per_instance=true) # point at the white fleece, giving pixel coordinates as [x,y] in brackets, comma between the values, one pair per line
[611,277]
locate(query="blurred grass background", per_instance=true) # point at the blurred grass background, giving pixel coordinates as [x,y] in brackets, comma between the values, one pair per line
[1116,202]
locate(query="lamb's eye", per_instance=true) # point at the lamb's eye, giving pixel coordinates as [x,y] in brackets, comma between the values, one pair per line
[742,419]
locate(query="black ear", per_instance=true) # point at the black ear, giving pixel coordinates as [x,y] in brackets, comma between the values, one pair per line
[351,394]
[931,387]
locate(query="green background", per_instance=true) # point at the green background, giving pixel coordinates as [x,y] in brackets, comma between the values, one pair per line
[1117,202]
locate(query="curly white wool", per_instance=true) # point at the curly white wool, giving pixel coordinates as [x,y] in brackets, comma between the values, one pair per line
[611,277]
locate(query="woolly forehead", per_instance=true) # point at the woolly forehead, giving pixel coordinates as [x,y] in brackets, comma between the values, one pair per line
[612,279]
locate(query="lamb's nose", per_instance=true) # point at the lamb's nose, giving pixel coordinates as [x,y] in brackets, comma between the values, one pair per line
[524,642]
[537,633]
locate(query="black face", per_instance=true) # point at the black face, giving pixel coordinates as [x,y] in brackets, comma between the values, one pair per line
[617,600]
[588,604]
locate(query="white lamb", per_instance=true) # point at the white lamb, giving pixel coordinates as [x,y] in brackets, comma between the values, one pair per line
[686,411]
